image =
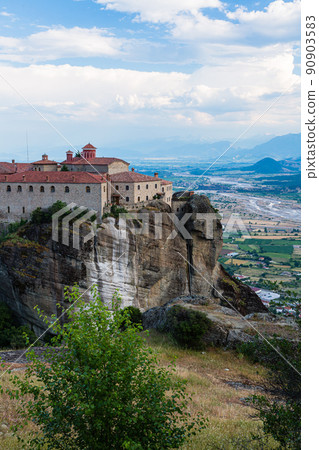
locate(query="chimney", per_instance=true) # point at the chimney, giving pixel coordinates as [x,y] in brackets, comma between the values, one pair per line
[5,178]
[47,178]
[133,170]
[44,157]
[73,177]
[69,155]
[13,161]
[23,177]
[156,174]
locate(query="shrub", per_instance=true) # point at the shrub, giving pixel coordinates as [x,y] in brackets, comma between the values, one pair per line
[104,388]
[281,414]
[187,327]
[11,334]
[133,314]
[40,215]
[115,212]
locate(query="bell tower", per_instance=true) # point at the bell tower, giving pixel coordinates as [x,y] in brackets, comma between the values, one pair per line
[89,151]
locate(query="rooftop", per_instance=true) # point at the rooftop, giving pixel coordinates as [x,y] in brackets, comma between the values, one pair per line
[131,177]
[6,167]
[53,177]
[94,161]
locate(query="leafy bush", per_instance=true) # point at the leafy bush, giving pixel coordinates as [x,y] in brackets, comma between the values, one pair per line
[187,327]
[12,228]
[11,334]
[103,389]
[281,415]
[40,215]
[132,314]
[115,212]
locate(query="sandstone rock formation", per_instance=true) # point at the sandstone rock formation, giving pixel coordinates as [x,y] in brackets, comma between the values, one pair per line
[148,272]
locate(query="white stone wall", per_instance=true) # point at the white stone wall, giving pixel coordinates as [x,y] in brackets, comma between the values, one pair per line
[115,167]
[22,203]
[137,192]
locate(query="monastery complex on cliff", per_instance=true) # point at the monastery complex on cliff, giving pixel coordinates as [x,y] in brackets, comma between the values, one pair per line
[87,180]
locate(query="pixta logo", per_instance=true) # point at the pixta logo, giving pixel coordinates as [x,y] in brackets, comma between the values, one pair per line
[73,216]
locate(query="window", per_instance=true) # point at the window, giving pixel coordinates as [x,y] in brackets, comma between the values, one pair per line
[116,187]
[8,188]
[162,189]
[138,187]
[42,189]
[23,209]
[127,199]
[66,189]
[30,188]
[52,189]
[146,186]
[127,188]
[155,186]
[147,197]
[138,199]
[104,189]
[88,189]
[19,189]
[8,209]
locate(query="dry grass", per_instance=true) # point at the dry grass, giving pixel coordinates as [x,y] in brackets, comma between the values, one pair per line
[229,419]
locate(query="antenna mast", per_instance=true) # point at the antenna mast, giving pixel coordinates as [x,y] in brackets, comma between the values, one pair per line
[27,143]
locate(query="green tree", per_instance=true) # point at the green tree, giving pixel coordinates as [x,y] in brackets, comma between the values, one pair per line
[64,168]
[280,413]
[103,389]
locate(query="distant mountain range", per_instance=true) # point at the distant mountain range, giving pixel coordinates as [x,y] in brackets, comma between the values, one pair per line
[287,146]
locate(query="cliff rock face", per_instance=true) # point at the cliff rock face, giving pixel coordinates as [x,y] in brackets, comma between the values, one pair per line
[147,271]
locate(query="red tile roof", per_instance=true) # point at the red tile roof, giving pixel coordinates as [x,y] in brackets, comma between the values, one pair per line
[45,161]
[53,177]
[89,146]
[132,177]
[6,167]
[166,182]
[94,161]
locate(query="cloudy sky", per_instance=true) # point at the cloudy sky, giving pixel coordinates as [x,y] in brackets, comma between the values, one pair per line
[122,73]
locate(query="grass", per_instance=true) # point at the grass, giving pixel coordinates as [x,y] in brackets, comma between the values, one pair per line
[208,373]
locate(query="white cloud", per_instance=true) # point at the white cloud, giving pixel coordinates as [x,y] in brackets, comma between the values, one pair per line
[279,19]
[159,10]
[60,42]
[187,21]
[6,14]
[210,93]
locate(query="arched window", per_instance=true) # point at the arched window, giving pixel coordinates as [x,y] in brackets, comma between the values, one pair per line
[88,189]
[30,188]
[155,186]
[8,188]
[23,210]
[138,199]
[116,187]
[127,188]
[66,189]
[19,188]
[147,197]
[127,199]
[147,186]
[138,187]
[52,189]
[41,188]
[8,209]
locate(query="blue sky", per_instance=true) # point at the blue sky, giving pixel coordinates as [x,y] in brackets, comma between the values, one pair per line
[124,73]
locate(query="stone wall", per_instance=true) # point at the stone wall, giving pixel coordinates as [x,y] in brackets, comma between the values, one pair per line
[16,205]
